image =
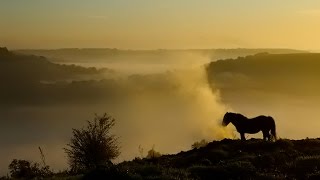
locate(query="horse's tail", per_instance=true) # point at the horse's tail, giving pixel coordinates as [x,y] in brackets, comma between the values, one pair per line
[273,128]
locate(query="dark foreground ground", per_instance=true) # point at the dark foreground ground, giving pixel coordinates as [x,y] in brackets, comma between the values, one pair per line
[226,159]
[234,159]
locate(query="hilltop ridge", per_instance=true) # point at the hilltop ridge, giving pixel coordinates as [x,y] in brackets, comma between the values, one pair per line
[235,159]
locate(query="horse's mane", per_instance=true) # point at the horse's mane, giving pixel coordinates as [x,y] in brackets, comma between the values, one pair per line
[242,117]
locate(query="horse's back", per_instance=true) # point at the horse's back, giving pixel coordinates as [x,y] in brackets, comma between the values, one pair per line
[263,120]
[269,118]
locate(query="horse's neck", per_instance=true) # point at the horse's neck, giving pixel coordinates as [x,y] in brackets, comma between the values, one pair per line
[239,119]
[236,123]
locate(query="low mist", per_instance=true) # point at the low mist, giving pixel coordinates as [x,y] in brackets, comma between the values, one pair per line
[142,63]
[169,109]
[168,105]
[173,120]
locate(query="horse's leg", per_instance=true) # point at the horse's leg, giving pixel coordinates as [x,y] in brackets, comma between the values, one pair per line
[266,135]
[243,138]
[269,136]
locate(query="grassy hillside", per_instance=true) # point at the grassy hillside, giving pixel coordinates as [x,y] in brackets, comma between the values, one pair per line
[234,159]
[225,159]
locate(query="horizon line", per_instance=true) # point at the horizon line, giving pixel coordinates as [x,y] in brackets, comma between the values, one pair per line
[157,49]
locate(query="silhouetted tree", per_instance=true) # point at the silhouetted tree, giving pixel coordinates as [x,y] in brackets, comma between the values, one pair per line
[93,146]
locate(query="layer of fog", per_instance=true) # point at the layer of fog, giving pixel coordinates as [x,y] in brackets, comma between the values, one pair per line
[146,64]
[27,128]
[170,120]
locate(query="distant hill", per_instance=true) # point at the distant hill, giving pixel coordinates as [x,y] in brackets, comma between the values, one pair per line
[15,66]
[106,54]
[43,81]
[233,159]
[281,73]
[34,79]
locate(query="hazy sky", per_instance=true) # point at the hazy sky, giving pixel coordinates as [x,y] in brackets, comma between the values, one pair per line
[152,24]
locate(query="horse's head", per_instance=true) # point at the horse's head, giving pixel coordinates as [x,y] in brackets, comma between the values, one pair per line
[227,119]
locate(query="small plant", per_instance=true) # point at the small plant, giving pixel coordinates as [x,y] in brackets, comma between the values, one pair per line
[93,146]
[199,144]
[140,148]
[152,153]
[28,170]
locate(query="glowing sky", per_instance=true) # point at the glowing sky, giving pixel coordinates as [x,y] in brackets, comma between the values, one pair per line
[152,24]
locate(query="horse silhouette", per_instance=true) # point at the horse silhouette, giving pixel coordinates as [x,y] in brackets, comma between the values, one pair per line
[251,126]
